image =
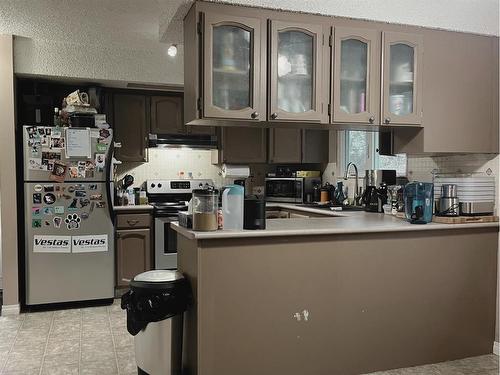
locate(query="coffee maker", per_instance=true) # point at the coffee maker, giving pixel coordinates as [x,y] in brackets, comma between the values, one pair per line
[375,194]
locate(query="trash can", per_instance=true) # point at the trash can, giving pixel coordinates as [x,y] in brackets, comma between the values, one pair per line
[155,307]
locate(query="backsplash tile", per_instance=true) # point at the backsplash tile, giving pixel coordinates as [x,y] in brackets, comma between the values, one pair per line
[168,163]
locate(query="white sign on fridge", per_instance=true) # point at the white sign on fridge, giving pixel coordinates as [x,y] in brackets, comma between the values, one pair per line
[90,244]
[78,142]
[51,244]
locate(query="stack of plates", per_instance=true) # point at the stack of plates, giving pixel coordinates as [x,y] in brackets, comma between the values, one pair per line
[469,189]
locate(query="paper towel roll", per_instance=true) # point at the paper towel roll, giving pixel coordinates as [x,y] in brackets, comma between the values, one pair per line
[235,171]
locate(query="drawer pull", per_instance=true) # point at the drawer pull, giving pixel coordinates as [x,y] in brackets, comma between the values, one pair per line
[132,222]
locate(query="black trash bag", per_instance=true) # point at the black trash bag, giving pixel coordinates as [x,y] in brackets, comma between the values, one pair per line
[145,305]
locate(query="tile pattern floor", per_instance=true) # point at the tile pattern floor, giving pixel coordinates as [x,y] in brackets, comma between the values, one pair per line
[76,341]
[95,341]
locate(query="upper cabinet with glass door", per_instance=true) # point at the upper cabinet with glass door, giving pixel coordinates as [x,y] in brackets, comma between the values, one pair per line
[232,67]
[356,76]
[402,78]
[296,68]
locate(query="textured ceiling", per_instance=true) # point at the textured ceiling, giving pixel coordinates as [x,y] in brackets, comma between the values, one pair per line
[475,16]
[127,39]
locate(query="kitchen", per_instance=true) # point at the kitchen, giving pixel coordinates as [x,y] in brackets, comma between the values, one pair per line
[308,114]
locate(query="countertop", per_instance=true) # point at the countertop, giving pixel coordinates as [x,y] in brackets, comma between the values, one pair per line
[137,207]
[334,222]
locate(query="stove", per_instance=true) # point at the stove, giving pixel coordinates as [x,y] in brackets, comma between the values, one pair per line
[168,198]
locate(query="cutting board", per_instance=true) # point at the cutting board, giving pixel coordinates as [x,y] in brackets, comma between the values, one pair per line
[464,219]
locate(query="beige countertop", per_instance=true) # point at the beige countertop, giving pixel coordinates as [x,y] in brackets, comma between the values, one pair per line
[334,222]
[137,207]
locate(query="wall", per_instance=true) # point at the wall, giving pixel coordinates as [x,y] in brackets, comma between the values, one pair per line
[8,209]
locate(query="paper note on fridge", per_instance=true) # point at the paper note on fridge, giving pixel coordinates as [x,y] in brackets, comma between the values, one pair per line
[51,244]
[89,244]
[78,143]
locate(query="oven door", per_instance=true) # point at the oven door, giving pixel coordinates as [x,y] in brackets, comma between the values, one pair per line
[165,243]
[284,190]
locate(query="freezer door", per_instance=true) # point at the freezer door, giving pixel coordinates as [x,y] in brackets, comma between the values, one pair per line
[69,243]
[45,153]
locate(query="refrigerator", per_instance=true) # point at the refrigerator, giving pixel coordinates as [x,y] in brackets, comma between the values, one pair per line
[69,247]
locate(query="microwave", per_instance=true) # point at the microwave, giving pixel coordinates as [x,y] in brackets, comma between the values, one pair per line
[290,189]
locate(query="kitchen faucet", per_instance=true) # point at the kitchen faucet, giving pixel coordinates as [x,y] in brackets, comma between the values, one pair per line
[356,187]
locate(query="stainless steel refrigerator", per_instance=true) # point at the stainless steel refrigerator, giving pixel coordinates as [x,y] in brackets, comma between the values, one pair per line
[69,247]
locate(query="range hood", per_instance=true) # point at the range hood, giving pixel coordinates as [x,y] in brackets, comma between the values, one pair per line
[206,142]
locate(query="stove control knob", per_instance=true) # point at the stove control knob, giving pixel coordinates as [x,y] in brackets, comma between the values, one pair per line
[159,185]
[153,185]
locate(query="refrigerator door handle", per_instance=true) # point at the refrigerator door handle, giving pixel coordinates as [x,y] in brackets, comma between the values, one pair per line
[109,193]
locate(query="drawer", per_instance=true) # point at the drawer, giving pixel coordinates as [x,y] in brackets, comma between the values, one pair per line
[133,221]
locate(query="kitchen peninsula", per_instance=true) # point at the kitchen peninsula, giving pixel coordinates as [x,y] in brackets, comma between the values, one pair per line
[347,294]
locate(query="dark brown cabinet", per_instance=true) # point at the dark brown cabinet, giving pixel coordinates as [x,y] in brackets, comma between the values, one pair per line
[167,115]
[285,145]
[242,145]
[288,145]
[131,125]
[133,246]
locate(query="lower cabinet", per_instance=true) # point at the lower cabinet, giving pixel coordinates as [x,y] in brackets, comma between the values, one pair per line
[133,247]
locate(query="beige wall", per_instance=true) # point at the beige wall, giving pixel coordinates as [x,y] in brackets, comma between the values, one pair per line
[8,209]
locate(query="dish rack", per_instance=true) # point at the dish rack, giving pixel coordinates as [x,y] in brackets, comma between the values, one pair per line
[476,191]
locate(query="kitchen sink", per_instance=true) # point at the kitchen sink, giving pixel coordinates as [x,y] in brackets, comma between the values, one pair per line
[327,207]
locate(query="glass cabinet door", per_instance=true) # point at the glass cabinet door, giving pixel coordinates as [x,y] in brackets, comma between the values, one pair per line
[232,67]
[296,68]
[356,76]
[402,86]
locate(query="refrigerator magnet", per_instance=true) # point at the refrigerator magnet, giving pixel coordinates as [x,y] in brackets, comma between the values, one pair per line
[56,143]
[96,197]
[73,204]
[38,188]
[93,187]
[59,172]
[36,212]
[84,202]
[47,223]
[72,221]
[36,223]
[71,189]
[57,222]
[48,211]
[73,172]
[100,204]
[100,162]
[48,188]
[49,198]
[84,215]
[35,164]
[59,209]
[80,193]
[37,198]
[101,147]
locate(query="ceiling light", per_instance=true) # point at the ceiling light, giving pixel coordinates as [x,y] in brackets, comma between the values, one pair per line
[172,50]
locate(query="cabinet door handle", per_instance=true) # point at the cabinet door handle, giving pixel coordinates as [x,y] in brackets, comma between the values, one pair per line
[132,222]
[387,120]
[254,115]
[371,120]
[274,115]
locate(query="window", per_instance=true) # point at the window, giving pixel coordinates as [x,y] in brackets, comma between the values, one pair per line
[360,147]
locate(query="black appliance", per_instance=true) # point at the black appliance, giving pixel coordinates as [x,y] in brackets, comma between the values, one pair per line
[290,189]
[200,141]
[254,213]
[374,198]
